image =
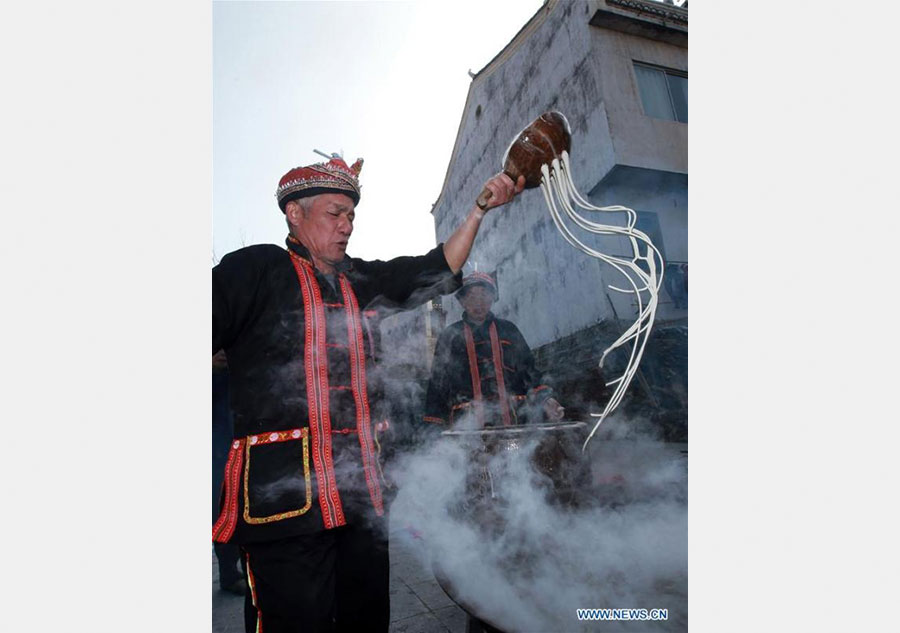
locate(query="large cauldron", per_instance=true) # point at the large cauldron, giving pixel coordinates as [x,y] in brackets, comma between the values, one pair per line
[561,470]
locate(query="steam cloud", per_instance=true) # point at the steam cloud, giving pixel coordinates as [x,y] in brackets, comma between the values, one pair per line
[627,548]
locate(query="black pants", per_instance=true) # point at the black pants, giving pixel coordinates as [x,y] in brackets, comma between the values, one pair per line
[335,581]
[228,555]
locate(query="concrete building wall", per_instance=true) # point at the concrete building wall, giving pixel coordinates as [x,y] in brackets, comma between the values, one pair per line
[576,57]
[560,61]
[638,140]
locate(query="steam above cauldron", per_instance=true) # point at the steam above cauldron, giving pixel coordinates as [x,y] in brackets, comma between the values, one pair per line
[520,530]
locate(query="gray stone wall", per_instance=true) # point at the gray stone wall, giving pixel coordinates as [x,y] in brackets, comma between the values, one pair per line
[555,294]
[560,61]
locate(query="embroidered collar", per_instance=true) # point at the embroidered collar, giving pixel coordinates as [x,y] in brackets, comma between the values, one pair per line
[297,248]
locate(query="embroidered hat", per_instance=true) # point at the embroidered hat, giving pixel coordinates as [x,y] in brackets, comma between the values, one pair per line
[331,177]
[477,278]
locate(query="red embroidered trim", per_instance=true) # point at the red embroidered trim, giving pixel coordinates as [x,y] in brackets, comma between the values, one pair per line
[316,363]
[497,353]
[224,527]
[252,582]
[433,420]
[457,407]
[358,382]
[275,436]
[476,377]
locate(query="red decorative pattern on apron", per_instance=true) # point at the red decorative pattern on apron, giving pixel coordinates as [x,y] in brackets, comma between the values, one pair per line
[225,524]
[497,353]
[275,436]
[316,363]
[476,376]
[358,383]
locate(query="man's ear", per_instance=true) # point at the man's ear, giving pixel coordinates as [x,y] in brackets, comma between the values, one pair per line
[292,210]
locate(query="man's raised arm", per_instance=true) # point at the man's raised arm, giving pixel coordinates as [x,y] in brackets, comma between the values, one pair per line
[456,249]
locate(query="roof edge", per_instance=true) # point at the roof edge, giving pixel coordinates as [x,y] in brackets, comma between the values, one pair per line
[498,60]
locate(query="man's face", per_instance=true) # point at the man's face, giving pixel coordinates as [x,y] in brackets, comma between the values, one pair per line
[477,302]
[326,228]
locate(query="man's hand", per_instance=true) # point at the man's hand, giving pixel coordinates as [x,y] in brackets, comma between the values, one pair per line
[219,361]
[553,410]
[502,189]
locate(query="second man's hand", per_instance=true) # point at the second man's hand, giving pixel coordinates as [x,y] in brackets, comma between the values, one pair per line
[553,410]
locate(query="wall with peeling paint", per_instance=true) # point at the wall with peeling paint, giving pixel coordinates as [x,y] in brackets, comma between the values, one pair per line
[549,289]
[555,294]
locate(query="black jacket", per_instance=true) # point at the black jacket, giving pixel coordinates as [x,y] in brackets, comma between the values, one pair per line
[452,389]
[302,348]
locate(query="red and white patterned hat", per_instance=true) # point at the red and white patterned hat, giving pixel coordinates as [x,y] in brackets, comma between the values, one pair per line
[331,177]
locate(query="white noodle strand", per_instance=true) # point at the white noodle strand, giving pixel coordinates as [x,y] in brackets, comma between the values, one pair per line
[560,193]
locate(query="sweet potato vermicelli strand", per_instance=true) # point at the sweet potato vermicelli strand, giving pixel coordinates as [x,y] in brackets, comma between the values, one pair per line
[560,194]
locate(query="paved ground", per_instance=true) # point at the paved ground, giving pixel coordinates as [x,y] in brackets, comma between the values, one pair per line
[418,604]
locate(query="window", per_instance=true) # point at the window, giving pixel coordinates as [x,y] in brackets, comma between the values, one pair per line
[664,92]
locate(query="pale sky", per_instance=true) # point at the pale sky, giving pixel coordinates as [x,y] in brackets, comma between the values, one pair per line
[105,263]
[385,81]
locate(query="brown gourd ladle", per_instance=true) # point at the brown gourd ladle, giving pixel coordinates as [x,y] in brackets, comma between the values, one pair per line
[538,144]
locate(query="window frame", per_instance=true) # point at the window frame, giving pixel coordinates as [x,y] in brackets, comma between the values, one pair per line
[666,72]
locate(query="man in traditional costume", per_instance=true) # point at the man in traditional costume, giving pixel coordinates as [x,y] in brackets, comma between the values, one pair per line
[303,489]
[483,372]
